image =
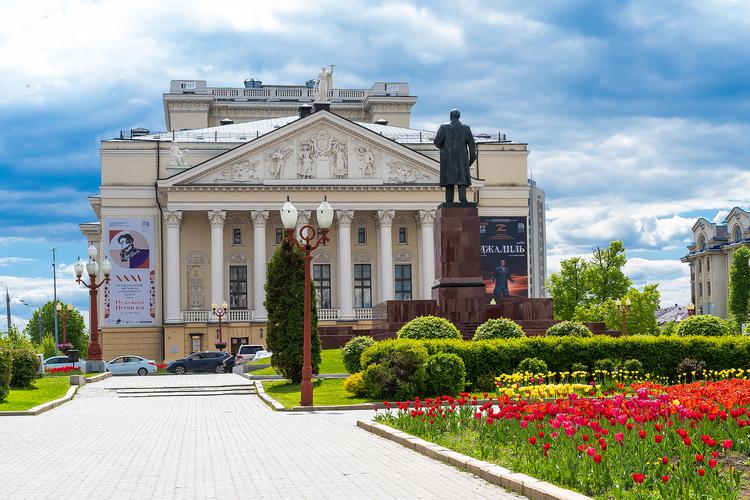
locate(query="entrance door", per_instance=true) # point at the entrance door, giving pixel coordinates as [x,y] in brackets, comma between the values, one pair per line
[236,342]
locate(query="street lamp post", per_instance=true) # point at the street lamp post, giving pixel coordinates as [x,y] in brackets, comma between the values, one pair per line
[308,242]
[624,306]
[64,313]
[691,309]
[94,361]
[219,312]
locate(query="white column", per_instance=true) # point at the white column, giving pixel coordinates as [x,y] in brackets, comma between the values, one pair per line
[260,218]
[172,219]
[303,219]
[345,281]
[427,251]
[216,218]
[385,254]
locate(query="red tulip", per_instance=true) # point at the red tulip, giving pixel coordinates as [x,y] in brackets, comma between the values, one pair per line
[664,460]
[712,463]
[598,458]
[727,444]
[638,478]
[642,434]
[532,440]
[701,472]
[664,478]
[698,457]
[658,438]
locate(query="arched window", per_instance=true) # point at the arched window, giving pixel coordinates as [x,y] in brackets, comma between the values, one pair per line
[702,243]
[737,233]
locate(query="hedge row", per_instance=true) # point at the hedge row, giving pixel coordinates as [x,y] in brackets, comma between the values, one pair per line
[659,355]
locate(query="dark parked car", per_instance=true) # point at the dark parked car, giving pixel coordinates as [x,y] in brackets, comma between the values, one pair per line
[199,362]
[228,364]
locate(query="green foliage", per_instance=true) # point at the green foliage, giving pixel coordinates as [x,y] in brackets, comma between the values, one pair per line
[355,384]
[691,367]
[668,328]
[604,274]
[6,370]
[25,368]
[702,324]
[633,365]
[445,374]
[500,328]
[75,327]
[568,288]
[285,299]
[394,368]
[578,367]
[732,326]
[532,365]
[569,329]
[428,327]
[605,364]
[48,347]
[485,383]
[352,352]
[739,284]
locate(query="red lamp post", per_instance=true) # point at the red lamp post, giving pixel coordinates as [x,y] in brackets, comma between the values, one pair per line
[308,242]
[94,361]
[219,312]
[64,313]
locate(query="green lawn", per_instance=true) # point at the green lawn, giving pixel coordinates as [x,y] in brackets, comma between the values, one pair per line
[325,393]
[45,389]
[330,363]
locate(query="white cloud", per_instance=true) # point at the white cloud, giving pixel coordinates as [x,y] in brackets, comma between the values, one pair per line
[6,261]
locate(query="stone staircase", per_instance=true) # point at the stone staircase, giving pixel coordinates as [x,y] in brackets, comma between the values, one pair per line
[180,391]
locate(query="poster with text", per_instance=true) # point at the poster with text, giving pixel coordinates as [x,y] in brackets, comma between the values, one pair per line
[505,267]
[129,299]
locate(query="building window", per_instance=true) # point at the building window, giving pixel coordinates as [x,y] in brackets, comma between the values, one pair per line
[237,287]
[322,278]
[362,286]
[237,236]
[402,235]
[737,234]
[708,264]
[702,243]
[279,235]
[361,235]
[709,288]
[403,282]
[700,289]
[699,265]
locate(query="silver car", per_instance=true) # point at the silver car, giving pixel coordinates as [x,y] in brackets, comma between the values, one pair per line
[130,365]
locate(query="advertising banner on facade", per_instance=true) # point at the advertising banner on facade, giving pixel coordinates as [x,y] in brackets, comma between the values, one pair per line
[505,267]
[129,299]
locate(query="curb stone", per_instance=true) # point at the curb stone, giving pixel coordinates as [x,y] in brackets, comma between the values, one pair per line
[500,476]
[275,405]
[44,406]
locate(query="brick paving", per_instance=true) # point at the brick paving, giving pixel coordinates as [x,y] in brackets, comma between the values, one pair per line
[103,446]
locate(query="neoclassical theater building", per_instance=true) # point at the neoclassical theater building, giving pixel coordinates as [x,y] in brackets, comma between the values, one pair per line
[189,217]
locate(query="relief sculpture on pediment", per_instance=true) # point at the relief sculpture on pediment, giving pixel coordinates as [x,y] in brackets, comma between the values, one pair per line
[402,173]
[367,162]
[244,171]
[277,161]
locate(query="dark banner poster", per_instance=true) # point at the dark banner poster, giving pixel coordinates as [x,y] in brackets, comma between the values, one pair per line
[505,268]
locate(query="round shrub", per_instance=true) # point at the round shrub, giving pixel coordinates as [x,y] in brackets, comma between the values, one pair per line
[486,382]
[605,365]
[398,371]
[375,378]
[355,384]
[352,352]
[6,364]
[25,368]
[702,324]
[532,365]
[428,327]
[633,365]
[445,374]
[689,365]
[569,329]
[500,328]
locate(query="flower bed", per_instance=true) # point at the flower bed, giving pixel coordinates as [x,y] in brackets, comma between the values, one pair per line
[683,441]
[62,371]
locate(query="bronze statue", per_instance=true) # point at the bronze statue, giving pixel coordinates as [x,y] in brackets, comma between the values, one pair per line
[457,152]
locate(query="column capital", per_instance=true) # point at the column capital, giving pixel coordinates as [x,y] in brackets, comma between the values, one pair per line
[426,217]
[172,218]
[216,218]
[385,217]
[344,217]
[259,217]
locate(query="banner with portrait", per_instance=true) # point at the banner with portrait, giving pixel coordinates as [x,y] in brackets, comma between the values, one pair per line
[505,265]
[130,297]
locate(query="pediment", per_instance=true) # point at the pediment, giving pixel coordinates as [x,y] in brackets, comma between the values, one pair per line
[323,149]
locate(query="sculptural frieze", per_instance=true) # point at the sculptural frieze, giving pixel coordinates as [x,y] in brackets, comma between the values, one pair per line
[178,157]
[244,171]
[340,168]
[367,162]
[402,173]
[277,161]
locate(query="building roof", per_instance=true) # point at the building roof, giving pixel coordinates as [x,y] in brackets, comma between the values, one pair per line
[672,313]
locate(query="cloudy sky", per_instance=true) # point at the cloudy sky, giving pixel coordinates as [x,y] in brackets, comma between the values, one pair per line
[637,113]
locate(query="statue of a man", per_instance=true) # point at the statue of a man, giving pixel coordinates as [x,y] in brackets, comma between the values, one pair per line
[457,152]
[324,84]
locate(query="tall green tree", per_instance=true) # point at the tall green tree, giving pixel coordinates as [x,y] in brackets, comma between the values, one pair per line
[569,288]
[285,293]
[74,326]
[604,275]
[739,285]
[641,314]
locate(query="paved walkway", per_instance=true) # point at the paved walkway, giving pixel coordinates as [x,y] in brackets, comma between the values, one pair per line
[103,446]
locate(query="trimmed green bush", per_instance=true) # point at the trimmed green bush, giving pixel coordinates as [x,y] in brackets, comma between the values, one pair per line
[569,329]
[25,368]
[394,369]
[445,374]
[485,383]
[578,367]
[633,365]
[605,365]
[702,324]
[500,328]
[352,352]
[6,364]
[428,327]
[532,365]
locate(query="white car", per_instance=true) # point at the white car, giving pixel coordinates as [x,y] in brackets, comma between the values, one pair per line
[249,353]
[130,365]
[63,362]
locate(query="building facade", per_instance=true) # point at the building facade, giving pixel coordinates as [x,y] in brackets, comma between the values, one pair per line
[190,218]
[710,257]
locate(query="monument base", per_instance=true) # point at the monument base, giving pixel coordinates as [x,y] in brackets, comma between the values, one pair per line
[95,366]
